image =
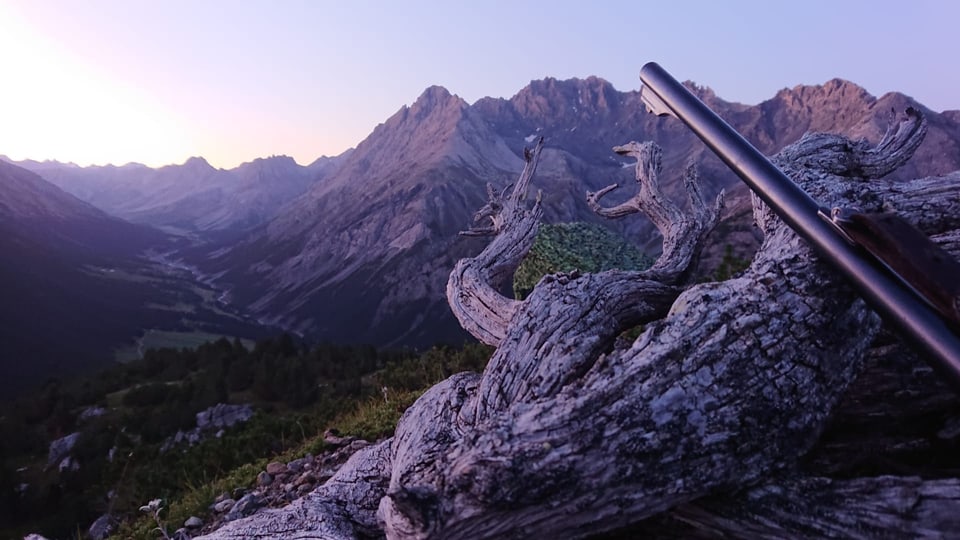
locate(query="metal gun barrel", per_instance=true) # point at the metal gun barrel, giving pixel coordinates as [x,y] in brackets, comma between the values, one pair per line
[883,292]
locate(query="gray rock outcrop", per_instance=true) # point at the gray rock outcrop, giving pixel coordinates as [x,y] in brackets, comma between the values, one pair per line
[60,448]
[210,422]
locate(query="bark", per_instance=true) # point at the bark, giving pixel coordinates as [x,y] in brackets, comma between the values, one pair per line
[873,507]
[704,419]
[343,507]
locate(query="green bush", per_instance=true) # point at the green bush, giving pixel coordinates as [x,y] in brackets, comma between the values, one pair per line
[566,247]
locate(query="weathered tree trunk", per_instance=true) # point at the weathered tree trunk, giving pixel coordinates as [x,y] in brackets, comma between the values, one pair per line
[702,420]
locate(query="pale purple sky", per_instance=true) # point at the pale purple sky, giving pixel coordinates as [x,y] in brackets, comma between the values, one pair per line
[114,81]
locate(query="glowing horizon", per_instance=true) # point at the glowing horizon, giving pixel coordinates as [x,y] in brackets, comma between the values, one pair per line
[117,82]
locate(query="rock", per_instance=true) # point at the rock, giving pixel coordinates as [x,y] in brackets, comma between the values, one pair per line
[303,489]
[951,429]
[34,536]
[305,478]
[296,465]
[264,479]
[222,415]
[193,522]
[275,468]
[333,438]
[325,474]
[180,534]
[221,497]
[61,447]
[68,464]
[356,445]
[102,527]
[244,507]
[91,412]
[224,505]
[213,420]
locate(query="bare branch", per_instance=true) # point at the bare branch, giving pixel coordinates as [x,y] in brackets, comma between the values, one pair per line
[474,285]
[840,156]
[683,232]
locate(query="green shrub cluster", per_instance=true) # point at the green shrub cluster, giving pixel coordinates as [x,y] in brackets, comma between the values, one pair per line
[566,247]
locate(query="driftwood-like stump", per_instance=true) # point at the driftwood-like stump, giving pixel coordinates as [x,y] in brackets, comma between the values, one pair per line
[570,431]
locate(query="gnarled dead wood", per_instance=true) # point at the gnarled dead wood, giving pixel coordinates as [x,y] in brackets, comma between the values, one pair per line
[474,284]
[568,433]
[683,232]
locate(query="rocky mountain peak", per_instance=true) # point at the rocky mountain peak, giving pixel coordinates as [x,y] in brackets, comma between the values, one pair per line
[273,162]
[197,162]
[414,134]
[553,99]
[436,99]
[705,93]
[838,92]
[282,158]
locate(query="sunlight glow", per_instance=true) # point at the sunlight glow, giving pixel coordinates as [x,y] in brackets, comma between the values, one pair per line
[52,101]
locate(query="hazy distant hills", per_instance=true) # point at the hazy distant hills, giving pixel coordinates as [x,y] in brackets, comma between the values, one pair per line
[75,286]
[357,248]
[190,197]
[364,255]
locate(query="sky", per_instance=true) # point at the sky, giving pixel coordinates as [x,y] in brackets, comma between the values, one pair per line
[155,82]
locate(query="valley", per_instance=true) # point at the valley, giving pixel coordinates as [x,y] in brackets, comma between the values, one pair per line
[356,248]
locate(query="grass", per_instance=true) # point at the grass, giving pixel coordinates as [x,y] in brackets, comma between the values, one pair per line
[159,339]
[373,419]
[376,418]
[195,501]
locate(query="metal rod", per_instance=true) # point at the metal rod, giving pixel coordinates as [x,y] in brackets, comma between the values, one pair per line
[897,304]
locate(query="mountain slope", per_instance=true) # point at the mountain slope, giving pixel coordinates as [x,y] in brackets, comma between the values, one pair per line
[76,287]
[56,315]
[365,254]
[345,260]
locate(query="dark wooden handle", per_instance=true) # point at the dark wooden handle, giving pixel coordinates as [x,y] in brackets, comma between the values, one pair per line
[910,254]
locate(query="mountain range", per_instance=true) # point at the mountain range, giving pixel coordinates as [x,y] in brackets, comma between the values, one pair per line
[357,248]
[192,197]
[364,255]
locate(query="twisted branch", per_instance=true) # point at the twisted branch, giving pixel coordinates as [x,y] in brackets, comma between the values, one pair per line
[683,232]
[474,284]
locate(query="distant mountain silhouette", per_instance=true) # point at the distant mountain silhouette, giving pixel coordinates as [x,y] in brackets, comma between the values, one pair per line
[190,197]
